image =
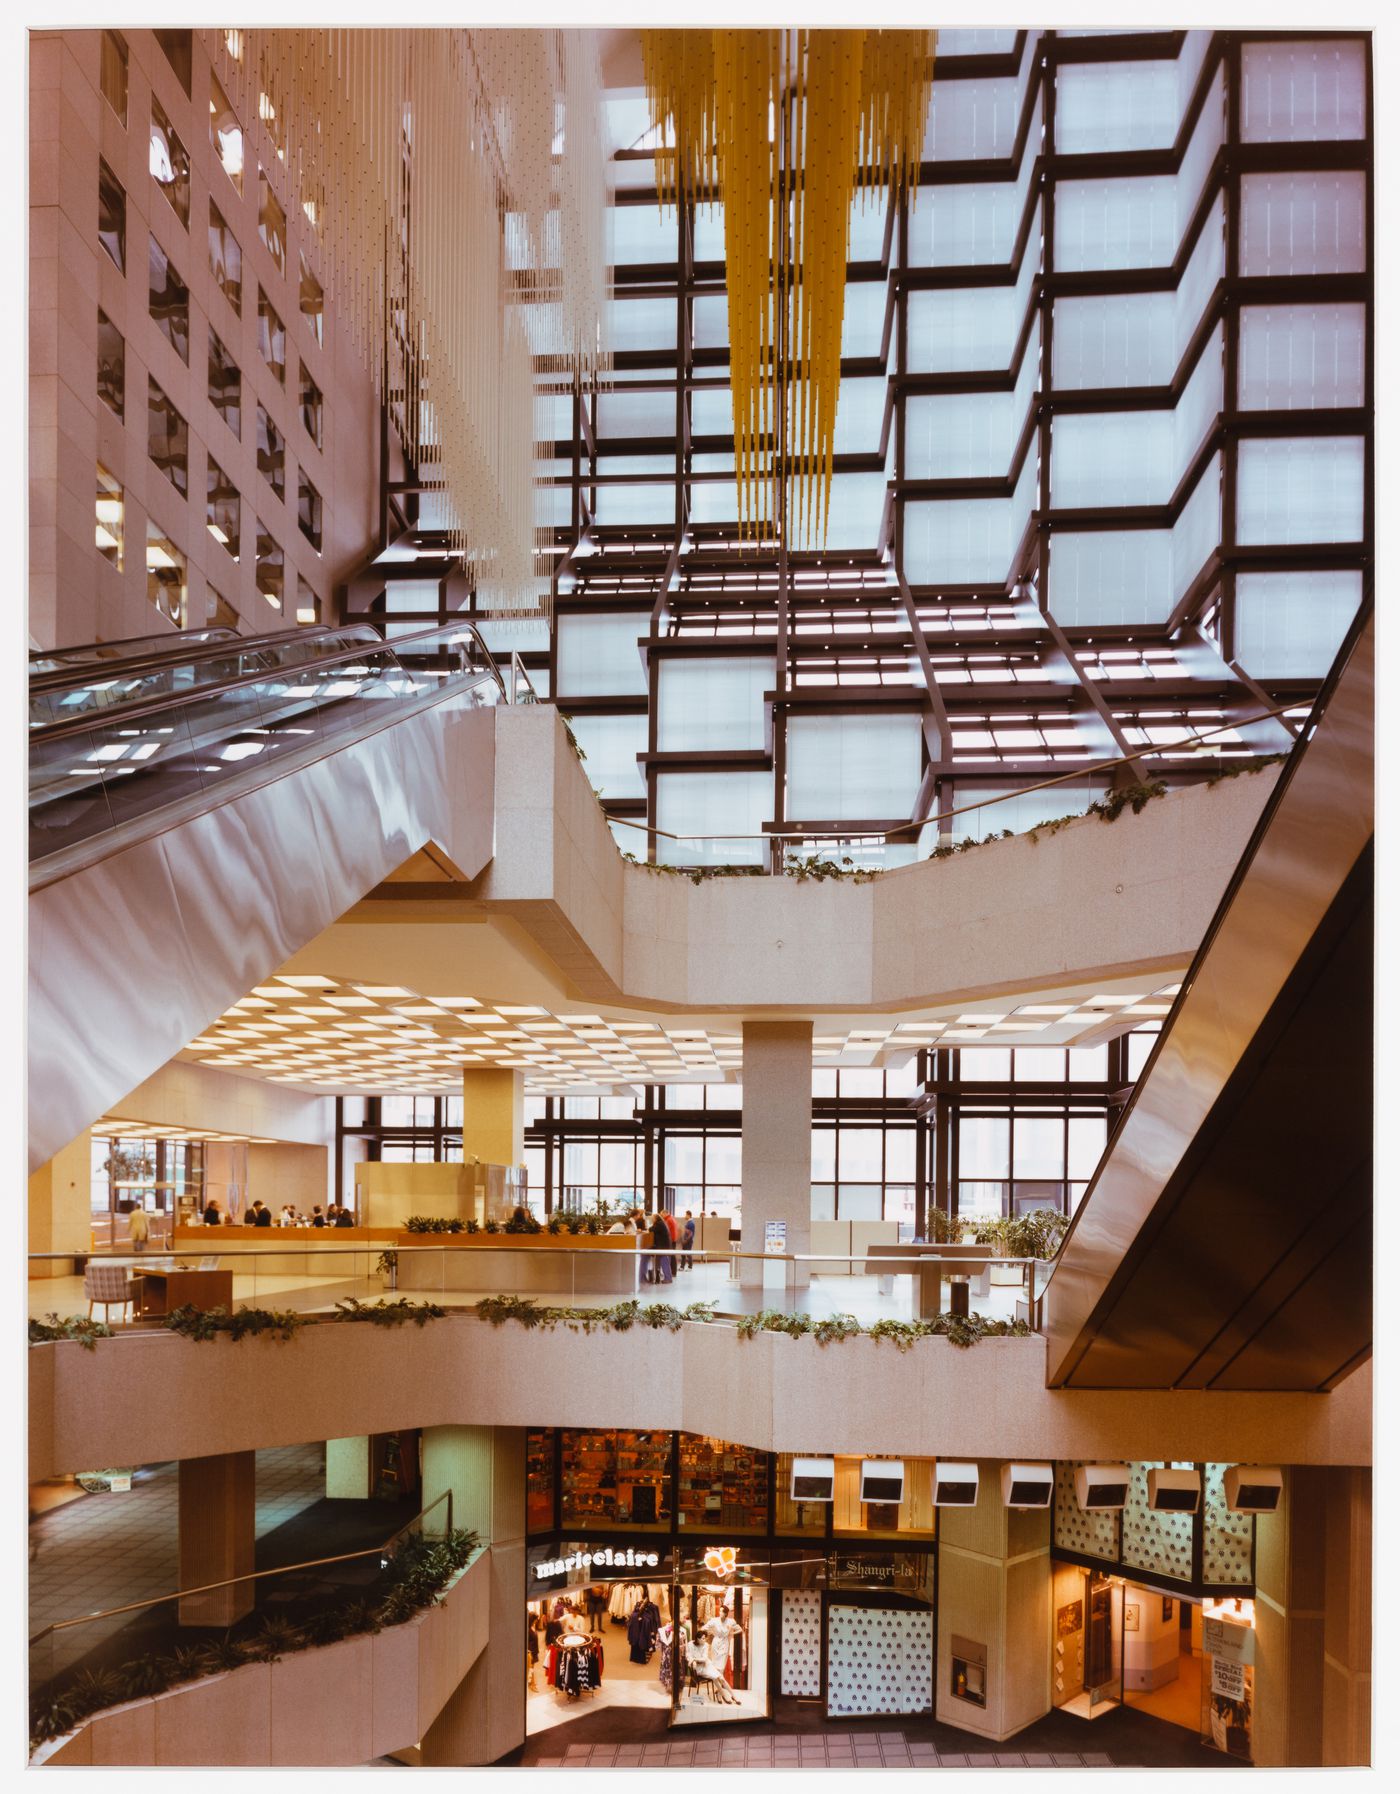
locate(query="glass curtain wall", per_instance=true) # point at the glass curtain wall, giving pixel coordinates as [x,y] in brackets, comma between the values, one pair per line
[979,1132]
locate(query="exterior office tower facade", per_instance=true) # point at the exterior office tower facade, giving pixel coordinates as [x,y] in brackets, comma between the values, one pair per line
[786,716]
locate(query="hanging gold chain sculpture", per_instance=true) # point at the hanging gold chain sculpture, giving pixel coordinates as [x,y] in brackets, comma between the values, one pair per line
[784,128]
[426,160]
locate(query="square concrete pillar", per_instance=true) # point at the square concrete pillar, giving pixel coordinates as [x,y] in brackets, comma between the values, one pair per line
[493,1115]
[217,1510]
[994,1585]
[777,1136]
[485,1469]
[60,1207]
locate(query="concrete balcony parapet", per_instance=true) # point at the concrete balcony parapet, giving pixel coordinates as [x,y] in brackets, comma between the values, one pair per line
[773,1392]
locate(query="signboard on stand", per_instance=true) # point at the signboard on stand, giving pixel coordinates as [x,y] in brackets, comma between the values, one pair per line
[1227,1678]
[1223,1639]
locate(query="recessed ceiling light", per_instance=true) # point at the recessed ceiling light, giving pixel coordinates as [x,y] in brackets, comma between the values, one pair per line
[307,981]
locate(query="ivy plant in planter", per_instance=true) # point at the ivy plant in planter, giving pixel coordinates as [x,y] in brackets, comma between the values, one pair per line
[418,1571]
[77,1327]
[201,1324]
[388,1314]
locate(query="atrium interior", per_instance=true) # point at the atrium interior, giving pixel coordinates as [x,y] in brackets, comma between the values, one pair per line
[700,969]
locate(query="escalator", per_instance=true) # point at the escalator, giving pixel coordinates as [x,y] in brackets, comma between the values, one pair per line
[1225,1241]
[199,812]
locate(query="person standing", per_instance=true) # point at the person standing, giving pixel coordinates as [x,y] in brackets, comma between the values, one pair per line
[687,1240]
[138,1228]
[212,1217]
[343,1217]
[262,1217]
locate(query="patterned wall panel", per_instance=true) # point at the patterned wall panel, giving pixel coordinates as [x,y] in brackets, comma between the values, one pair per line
[801,1665]
[1228,1544]
[1091,1535]
[1159,1544]
[879,1661]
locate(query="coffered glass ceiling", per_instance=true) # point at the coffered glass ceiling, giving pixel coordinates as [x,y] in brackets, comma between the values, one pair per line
[1103,477]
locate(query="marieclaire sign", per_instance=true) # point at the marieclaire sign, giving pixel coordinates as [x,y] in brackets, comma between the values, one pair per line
[607,1559]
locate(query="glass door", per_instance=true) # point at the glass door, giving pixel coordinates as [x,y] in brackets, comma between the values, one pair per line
[719,1654]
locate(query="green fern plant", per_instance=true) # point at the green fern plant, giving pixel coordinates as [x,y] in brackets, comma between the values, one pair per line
[77,1327]
[388,1314]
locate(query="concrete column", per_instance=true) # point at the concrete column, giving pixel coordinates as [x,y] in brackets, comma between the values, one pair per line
[1312,1616]
[217,1509]
[994,1582]
[347,1469]
[1346,1630]
[60,1207]
[493,1115]
[777,1135]
[485,1469]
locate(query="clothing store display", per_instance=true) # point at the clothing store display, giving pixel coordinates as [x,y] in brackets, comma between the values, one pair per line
[708,1658]
[575,1664]
[642,1628]
[624,1596]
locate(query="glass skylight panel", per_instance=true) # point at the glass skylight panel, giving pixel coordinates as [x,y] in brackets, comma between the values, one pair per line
[637,414]
[707,243]
[975,43]
[868,213]
[712,411]
[1109,458]
[1301,489]
[971,120]
[1303,223]
[1293,357]
[1290,625]
[714,501]
[700,802]
[961,329]
[1201,151]
[1115,106]
[1110,576]
[1129,222]
[1118,339]
[597,654]
[950,436]
[860,411]
[959,225]
[1205,269]
[857,506]
[708,703]
[862,329]
[1196,532]
[643,323]
[861,765]
[1200,404]
[644,505]
[1297,92]
[640,233]
[956,541]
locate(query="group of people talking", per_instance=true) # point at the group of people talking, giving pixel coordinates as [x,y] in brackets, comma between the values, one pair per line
[671,1243]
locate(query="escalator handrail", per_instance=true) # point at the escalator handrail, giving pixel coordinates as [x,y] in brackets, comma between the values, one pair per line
[59,679]
[82,724]
[68,656]
[78,855]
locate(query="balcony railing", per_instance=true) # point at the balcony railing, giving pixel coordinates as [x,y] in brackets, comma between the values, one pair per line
[911,1282]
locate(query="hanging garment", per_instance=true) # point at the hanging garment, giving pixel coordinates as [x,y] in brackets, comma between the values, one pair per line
[579,1667]
[673,1641]
[641,1631]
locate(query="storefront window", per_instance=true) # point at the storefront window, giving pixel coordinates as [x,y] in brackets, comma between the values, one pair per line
[539,1481]
[913,1514]
[614,1479]
[795,1518]
[721,1486]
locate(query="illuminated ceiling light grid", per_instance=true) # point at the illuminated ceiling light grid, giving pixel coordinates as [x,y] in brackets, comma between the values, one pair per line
[310,1029]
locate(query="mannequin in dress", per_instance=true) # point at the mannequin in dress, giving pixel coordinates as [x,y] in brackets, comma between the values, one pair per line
[710,1654]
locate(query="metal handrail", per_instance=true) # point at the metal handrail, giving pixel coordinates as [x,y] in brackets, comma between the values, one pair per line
[174,638]
[82,725]
[205,1588]
[1076,772]
[176,653]
[928,1250]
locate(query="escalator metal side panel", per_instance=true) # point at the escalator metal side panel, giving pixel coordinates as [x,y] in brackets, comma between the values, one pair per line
[131,958]
[1320,823]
